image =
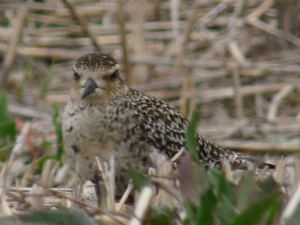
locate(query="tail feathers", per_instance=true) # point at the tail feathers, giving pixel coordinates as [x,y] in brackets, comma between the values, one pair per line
[212,156]
[242,162]
[258,162]
[269,165]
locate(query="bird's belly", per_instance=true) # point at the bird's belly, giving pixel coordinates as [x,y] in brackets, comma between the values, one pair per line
[85,141]
[88,135]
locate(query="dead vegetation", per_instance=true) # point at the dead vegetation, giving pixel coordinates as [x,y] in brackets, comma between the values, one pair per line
[236,62]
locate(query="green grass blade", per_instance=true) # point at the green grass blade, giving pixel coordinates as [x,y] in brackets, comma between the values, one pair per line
[258,210]
[191,136]
[139,180]
[57,125]
[7,125]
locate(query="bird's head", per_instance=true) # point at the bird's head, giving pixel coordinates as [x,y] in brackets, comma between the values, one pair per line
[96,77]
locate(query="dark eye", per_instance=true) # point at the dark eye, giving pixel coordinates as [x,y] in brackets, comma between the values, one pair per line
[115,75]
[76,76]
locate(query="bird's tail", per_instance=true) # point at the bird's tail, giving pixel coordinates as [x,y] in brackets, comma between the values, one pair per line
[213,156]
[242,162]
[258,162]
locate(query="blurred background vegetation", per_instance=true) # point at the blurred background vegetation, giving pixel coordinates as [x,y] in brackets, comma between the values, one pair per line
[235,62]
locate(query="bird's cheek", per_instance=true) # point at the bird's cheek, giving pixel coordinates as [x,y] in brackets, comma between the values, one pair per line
[82,82]
[99,91]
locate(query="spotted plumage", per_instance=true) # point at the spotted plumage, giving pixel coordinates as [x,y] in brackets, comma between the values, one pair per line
[104,117]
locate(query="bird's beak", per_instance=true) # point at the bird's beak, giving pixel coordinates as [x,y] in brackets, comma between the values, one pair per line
[89,88]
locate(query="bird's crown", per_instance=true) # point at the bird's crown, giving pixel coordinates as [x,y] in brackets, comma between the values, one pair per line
[96,62]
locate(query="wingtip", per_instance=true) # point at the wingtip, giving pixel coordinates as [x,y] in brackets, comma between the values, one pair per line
[269,165]
[261,165]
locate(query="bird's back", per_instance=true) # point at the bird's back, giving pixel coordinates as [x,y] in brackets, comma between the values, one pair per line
[164,128]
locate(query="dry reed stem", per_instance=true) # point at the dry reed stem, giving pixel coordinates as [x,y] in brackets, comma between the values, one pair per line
[125,196]
[259,103]
[83,23]
[27,112]
[192,104]
[233,20]
[298,116]
[216,46]
[279,170]
[183,97]
[127,64]
[162,173]
[260,10]
[29,173]
[107,172]
[236,52]
[238,97]
[54,169]
[170,190]
[235,128]
[15,39]
[62,174]
[224,93]
[37,197]
[16,151]
[104,219]
[70,42]
[175,7]
[265,27]
[137,17]
[114,217]
[277,99]
[50,19]
[178,155]
[226,168]
[261,174]
[291,206]
[185,37]
[64,54]
[46,172]
[111,172]
[141,206]
[259,146]
[5,209]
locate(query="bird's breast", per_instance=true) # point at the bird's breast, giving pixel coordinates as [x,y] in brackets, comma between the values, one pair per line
[99,130]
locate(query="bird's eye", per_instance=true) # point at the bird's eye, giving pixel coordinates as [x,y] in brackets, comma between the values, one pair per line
[76,76]
[115,75]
